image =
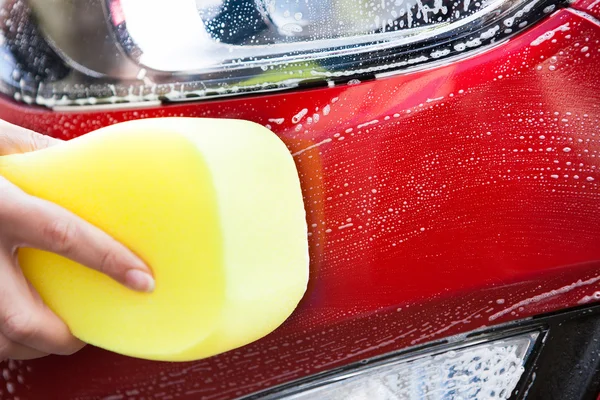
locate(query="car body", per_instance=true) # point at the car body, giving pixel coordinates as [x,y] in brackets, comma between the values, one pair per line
[444,203]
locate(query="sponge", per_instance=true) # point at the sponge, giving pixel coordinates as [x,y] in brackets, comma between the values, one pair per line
[213,206]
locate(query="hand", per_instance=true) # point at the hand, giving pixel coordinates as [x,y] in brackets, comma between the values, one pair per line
[28,328]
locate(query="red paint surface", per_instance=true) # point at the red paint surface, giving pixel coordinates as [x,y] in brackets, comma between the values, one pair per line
[591,7]
[471,198]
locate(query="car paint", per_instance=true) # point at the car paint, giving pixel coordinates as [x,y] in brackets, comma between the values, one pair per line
[591,7]
[438,202]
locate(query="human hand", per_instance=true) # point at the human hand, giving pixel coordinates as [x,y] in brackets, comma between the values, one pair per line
[28,328]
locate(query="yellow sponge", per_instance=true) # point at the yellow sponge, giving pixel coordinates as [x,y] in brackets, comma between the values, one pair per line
[213,206]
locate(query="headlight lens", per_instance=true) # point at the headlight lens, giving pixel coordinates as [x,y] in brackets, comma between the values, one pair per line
[237,33]
[488,370]
[70,52]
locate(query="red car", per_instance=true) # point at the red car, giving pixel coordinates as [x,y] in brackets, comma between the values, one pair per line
[449,154]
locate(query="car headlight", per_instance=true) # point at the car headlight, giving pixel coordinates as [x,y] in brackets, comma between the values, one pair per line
[82,52]
[484,370]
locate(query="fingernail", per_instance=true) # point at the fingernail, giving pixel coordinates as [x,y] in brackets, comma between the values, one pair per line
[139,280]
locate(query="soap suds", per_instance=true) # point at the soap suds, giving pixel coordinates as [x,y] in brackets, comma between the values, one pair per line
[544,296]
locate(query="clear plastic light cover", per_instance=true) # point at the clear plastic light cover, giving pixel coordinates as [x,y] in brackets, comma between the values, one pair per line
[482,371]
[85,52]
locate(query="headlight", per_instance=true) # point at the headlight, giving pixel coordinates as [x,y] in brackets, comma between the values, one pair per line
[489,370]
[70,52]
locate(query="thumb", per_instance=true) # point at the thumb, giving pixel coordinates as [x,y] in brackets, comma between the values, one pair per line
[14,139]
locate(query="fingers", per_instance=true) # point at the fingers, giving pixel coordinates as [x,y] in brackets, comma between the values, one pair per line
[27,327]
[15,351]
[14,139]
[46,226]
[43,225]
